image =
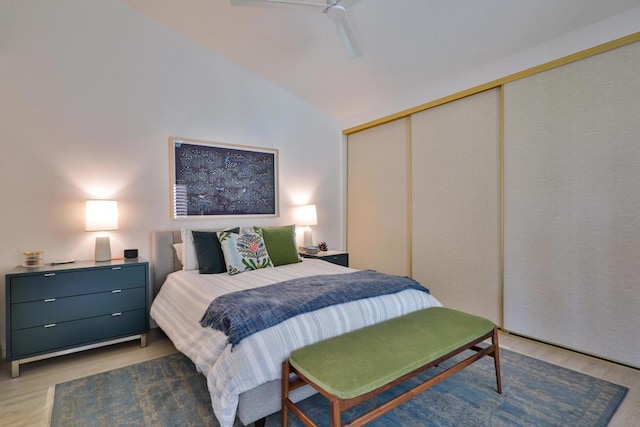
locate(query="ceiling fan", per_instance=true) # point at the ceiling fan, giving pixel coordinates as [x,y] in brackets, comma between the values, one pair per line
[334,9]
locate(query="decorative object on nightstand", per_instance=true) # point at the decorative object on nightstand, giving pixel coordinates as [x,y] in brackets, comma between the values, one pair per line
[61,309]
[311,250]
[102,215]
[305,216]
[31,259]
[334,257]
[323,246]
[130,253]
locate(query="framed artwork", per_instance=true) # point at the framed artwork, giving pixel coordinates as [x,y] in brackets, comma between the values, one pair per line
[211,179]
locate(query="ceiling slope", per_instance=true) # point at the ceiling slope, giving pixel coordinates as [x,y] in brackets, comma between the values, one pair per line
[405,43]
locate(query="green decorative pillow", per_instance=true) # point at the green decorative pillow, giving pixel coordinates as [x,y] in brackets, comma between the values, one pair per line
[209,252]
[243,252]
[280,243]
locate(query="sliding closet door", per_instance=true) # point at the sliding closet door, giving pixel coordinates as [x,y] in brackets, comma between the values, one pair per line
[572,205]
[378,225]
[456,203]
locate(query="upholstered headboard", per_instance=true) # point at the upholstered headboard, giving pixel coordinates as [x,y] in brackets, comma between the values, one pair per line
[163,257]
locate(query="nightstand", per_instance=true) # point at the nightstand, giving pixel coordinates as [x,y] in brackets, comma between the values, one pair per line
[335,257]
[56,310]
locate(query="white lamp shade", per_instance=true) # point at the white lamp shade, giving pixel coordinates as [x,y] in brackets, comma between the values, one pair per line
[101,215]
[306,215]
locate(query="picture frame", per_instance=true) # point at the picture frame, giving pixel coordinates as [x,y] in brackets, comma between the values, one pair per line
[215,179]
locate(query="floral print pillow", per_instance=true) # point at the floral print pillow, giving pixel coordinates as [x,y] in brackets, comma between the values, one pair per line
[243,252]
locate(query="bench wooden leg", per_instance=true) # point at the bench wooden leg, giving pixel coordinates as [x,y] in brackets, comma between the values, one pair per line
[496,359]
[335,413]
[287,404]
[285,391]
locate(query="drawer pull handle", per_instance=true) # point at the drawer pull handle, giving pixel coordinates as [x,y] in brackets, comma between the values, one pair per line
[49,274]
[116,268]
[50,300]
[50,325]
[116,291]
[116,314]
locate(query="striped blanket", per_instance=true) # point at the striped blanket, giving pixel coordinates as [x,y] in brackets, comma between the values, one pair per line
[243,313]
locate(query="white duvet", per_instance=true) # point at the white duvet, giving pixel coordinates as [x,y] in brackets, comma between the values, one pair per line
[185,296]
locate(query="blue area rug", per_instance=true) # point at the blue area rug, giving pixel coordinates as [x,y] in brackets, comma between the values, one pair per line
[169,392]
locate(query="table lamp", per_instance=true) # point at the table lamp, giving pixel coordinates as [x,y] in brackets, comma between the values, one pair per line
[305,216]
[102,215]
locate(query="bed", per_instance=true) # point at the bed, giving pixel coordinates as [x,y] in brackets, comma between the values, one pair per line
[244,379]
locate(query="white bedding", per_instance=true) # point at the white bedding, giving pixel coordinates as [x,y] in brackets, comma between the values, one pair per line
[185,296]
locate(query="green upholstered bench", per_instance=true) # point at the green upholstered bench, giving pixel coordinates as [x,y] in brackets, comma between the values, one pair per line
[351,368]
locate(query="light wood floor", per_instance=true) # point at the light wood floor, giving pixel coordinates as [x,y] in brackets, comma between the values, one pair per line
[22,399]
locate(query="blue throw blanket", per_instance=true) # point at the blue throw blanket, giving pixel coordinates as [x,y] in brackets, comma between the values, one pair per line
[243,313]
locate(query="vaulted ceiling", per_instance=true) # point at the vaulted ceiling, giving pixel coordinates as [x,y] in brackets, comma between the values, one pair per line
[405,42]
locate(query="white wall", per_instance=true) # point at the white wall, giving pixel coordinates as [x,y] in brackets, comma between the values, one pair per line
[90,91]
[598,33]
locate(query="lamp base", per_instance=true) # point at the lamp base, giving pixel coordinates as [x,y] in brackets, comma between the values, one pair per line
[103,249]
[308,238]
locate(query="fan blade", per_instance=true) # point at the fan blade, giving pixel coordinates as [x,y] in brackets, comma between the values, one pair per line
[347,3]
[338,15]
[279,3]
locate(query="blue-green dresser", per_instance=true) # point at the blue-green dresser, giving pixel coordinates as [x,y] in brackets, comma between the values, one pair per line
[55,310]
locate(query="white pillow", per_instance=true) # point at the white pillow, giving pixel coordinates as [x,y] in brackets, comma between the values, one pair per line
[189,258]
[179,248]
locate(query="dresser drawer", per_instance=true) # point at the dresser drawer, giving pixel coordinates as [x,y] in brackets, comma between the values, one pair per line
[33,341]
[41,286]
[56,310]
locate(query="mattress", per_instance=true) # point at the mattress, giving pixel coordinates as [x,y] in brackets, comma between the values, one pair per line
[185,296]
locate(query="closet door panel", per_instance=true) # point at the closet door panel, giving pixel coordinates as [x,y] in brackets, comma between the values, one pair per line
[378,226]
[456,203]
[572,205]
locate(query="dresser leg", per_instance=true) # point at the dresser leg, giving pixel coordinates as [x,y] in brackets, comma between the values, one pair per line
[143,340]
[15,369]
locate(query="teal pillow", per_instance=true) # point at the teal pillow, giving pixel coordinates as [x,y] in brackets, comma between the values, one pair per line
[209,252]
[243,252]
[281,243]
